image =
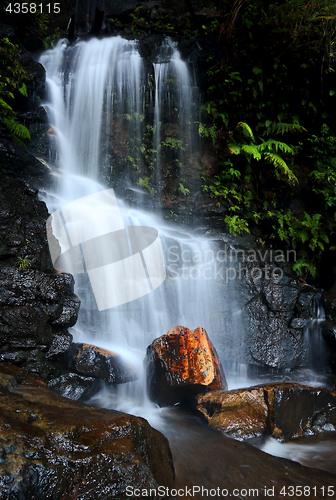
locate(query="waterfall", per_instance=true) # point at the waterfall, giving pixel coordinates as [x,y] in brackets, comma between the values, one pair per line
[314,344]
[97,102]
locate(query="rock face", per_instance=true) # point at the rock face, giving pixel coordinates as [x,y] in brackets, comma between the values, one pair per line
[37,304]
[180,364]
[275,307]
[93,361]
[284,411]
[52,447]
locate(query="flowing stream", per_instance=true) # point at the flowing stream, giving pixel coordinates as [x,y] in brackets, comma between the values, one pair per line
[98,91]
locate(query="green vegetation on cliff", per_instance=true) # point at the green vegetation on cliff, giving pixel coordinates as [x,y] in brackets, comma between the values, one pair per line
[269,110]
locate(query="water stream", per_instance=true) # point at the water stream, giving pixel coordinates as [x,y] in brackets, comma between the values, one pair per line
[92,86]
[98,97]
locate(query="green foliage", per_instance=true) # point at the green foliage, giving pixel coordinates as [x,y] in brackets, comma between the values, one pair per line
[141,21]
[12,76]
[171,143]
[280,153]
[295,230]
[236,225]
[265,150]
[323,177]
[23,263]
[183,190]
[144,182]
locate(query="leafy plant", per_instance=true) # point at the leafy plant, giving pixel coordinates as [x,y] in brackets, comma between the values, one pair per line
[236,225]
[12,79]
[266,150]
[23,263]
[144,182]
[183,190]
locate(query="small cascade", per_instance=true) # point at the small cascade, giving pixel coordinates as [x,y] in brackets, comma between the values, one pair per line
[174,94]
[91,85]
[97,103]
[314,344]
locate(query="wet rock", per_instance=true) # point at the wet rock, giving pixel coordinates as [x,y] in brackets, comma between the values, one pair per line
[60,344]
[296,410]
[275,308]
[22,226]
[37,304]
[329,333]
[74,386]
[284,411]
[69,450]
[240,414]
[329,300]
[180,364]
[93,361]
[69,313]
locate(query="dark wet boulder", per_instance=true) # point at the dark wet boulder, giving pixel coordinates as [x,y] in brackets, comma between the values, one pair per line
[74,386]
[284,411]
[180,364]
[52,447]
[37,304]
[92,361]
[35,310]
[329,302]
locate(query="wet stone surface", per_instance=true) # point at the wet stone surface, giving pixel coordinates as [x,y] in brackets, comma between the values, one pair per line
[51,447]
[181,364]
[284,411]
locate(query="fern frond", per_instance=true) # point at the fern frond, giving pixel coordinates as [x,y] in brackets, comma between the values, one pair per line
[246,129]
[277,145]
[285,128]
[4,105]
[280,162]
[253,150]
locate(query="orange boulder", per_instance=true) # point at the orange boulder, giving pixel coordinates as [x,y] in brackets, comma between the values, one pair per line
[180,364]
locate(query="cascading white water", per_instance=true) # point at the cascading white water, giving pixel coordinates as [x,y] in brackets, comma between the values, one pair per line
[173,93]
[92,85]
[316,353]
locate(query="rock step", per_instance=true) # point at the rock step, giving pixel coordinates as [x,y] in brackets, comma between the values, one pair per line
[284,411]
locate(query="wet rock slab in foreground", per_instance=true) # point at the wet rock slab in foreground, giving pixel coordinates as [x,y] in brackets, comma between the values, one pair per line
[51,447]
